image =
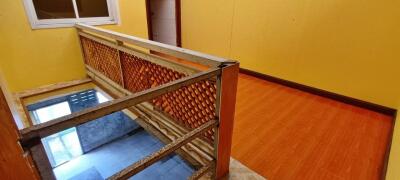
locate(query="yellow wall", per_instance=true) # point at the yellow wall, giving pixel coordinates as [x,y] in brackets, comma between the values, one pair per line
[32,58]
[347,47]
[206,25]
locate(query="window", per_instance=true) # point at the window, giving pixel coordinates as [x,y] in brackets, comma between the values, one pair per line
[62,146]
[51,112]
[66,13]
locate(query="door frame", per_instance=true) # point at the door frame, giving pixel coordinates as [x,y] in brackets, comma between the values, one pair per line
[177,20]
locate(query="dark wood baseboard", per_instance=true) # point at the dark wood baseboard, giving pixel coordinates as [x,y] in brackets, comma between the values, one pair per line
[388,148]
[323,93]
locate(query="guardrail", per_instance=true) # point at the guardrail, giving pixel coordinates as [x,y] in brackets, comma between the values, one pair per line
[192,110]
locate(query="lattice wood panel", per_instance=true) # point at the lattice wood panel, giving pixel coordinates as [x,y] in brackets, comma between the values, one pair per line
[102,58]
[190,106]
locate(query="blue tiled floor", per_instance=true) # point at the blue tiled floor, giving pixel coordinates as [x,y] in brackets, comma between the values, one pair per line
[113,157]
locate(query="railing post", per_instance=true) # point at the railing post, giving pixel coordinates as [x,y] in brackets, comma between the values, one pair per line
[41,161]
[226,100]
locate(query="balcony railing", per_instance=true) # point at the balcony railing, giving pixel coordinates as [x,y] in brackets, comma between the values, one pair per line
[189,108]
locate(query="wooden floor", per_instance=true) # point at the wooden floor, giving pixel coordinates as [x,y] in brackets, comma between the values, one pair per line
[283,133]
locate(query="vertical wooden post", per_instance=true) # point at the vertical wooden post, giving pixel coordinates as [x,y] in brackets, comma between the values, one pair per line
[42,162]
[226,113]
[80,45]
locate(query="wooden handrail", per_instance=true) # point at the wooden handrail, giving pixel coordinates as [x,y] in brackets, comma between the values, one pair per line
[163,152]
[146,56]
[59,124]
[178,52]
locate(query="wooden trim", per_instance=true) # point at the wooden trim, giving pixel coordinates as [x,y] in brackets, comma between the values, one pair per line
[22,112]
[198,174]
[149,21]
[178,52]
[50,88]
[163,152]
[26,112]
[345,99]
[227,101]
[78,31]
[59,124]
[178,23]
[388,148]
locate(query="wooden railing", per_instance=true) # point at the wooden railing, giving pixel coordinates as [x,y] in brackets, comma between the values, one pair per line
[189,109]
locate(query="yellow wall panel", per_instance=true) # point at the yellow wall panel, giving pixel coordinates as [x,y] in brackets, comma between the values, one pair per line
[347,47]
[32,58]
[206,25]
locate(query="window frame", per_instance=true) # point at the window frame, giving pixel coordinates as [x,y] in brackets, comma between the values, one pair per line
[113,18]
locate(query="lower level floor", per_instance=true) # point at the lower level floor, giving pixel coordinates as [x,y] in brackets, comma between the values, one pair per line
[111,158]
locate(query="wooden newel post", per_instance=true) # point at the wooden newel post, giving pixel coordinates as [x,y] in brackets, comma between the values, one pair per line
[227,83]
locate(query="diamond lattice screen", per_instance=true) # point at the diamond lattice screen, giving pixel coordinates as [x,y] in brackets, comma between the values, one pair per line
[189,106]
[102,58]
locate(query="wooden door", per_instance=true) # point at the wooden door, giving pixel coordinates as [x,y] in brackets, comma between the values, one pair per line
[13,164]
[164,21]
